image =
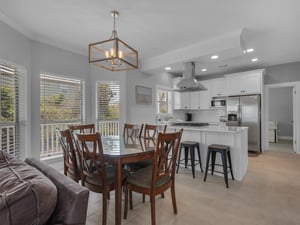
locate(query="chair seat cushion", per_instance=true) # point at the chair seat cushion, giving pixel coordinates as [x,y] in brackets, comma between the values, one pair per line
[143,178]
[110,177]
[26,195]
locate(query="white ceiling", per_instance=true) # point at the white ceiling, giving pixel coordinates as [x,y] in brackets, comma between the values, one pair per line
[165,31]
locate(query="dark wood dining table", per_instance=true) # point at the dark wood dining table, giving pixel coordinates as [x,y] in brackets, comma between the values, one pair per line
[119,150]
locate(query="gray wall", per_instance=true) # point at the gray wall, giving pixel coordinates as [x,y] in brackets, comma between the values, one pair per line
[137,113]
[281,109]
[289,72]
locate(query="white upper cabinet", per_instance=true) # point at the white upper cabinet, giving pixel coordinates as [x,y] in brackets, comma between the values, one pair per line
[205,96]
[218,87]
[181,100]
[245,83]
[195,100]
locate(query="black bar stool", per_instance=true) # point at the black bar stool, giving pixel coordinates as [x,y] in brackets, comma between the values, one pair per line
[189,145]
[224,150]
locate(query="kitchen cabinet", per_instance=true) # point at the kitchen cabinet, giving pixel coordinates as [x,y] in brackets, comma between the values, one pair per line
[218,87]
[205,96]
[181,100]
[245,83]
[195,100]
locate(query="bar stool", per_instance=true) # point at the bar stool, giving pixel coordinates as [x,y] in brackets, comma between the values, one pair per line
[224,150]
[189,145]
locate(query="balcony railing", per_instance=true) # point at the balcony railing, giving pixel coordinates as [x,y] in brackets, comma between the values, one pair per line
[8,141]
[49,142]
[109,127]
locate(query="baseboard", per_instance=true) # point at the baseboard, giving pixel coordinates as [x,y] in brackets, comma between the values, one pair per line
[285,138]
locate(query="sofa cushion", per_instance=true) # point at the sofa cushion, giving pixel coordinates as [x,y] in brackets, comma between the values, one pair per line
[26,195]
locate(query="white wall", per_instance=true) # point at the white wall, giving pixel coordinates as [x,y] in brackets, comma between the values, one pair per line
[137,113]
[281,109]
[46,58]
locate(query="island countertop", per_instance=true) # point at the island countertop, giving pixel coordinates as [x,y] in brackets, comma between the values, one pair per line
[222,129]
[234,137]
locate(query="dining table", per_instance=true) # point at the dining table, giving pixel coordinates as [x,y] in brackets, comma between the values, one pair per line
[120,150]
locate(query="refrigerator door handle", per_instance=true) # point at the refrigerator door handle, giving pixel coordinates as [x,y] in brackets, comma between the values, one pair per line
[240,114]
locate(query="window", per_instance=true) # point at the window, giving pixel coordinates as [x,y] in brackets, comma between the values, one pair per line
[61,103]
[108,107]
[13,109]
[163,101]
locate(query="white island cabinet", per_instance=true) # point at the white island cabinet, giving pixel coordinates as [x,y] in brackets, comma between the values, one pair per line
[235,137]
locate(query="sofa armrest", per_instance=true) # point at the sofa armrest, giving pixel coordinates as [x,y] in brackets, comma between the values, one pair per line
[72,198]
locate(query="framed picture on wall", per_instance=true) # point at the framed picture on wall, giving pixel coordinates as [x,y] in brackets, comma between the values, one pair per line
[143,95]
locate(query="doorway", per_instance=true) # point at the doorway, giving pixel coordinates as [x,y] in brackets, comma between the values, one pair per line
[281,116]
[281,119]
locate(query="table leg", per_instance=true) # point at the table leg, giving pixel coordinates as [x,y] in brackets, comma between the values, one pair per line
[118,192]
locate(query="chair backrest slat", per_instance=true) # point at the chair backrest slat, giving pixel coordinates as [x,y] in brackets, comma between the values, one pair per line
[83,128]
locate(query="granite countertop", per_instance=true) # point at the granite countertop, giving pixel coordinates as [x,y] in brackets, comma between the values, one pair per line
[222,129]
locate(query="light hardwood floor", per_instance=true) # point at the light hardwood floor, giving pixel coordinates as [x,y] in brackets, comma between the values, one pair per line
[268,195]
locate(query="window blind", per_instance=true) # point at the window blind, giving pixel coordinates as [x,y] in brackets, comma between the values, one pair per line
[61,104]
[13,109]
[108,107]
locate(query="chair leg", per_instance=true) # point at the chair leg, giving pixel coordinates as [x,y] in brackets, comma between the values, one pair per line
[199,158]
[178,161]
[230,166]
[104,206]
[224,159]
[213,161]
[152,201]
[186,155]
[162,195]
[207,165]
[143,198]
[192,153]
[173,198]
[126,202]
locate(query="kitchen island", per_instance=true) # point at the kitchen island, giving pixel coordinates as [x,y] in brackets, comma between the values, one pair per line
[235,137]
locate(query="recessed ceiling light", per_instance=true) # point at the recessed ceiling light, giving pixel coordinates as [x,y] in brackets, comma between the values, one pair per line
[250,50]
[168,68]
[214,57]
[254,60]
[203,70]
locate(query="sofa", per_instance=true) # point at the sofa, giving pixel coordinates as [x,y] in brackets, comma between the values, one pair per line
[33,193]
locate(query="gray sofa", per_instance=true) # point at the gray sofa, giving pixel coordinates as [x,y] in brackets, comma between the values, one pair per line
[42,196]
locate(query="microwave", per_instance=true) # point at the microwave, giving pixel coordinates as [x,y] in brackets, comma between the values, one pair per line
[218,102]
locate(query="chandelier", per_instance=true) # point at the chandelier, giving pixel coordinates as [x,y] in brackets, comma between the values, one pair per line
[113,54]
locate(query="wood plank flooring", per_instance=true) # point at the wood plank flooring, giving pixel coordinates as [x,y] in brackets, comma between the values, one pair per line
[268,195]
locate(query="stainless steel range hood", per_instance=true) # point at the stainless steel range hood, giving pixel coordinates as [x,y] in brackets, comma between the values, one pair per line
[189,82]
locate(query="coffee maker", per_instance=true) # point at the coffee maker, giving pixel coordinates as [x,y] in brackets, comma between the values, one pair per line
[188,116]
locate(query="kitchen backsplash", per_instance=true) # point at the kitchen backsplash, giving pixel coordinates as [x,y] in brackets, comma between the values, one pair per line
[208,116]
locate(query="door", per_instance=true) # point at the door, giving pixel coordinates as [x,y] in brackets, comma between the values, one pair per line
[250,117]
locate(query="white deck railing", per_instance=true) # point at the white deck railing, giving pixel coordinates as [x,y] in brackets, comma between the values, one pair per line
[8,139]
[49,142]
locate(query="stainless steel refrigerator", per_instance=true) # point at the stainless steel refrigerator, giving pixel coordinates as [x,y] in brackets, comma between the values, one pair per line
[245,111]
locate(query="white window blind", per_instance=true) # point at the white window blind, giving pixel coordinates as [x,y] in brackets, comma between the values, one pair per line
[108,107]
[13,109]
[61,104]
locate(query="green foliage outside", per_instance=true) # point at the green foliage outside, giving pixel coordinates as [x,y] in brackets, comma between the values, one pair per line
[7,104]
[108,110]
[59,108]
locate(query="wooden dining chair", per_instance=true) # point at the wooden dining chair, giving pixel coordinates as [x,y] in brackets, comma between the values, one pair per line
[82,128]
[151,131]
[97,176]
[132,130]
[71,161]
[159,177]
